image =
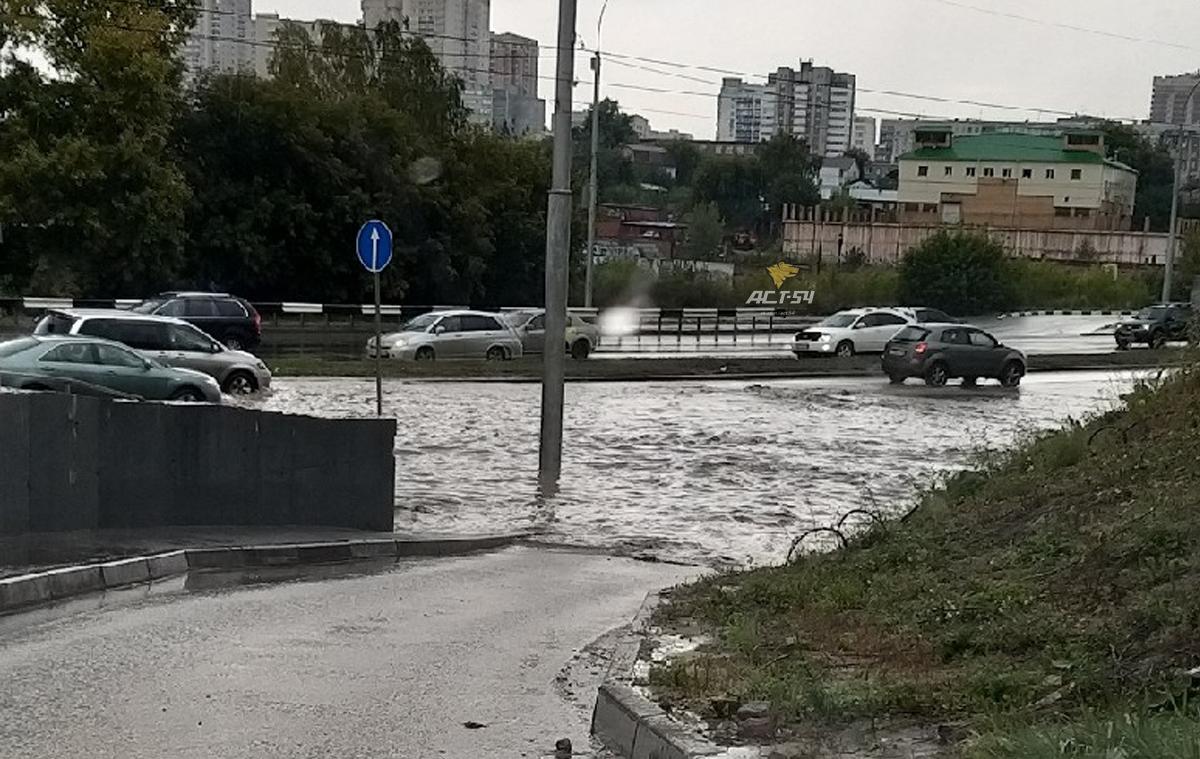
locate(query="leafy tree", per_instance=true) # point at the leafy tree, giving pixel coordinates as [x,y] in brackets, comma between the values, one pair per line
[960,272]
[734,185]
[1156,173]
[861,159]
[789,173]
[686,158]
[88,187]
[616,128]
[705,232]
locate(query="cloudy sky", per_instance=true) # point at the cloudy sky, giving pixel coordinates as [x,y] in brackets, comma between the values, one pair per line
[940,48]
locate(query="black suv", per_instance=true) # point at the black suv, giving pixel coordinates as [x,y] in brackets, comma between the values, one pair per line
[231,320]
[1155,326]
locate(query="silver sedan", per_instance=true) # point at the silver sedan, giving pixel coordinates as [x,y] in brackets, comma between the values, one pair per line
[582,337]
[449,334]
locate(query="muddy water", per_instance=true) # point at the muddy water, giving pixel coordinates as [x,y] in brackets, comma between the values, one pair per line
[699,471]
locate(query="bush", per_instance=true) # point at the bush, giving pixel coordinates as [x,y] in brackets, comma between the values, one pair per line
[957,271]
[1044,284]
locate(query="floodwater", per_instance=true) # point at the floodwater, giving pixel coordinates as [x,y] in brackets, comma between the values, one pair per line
[717,472]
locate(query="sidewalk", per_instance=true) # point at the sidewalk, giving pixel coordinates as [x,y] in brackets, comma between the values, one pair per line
[41,551]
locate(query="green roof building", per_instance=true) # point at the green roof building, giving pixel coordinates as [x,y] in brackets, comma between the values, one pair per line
[1009,179]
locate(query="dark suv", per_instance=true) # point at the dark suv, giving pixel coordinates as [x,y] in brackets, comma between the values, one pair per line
[939,352]
[1155,326]
[231,320]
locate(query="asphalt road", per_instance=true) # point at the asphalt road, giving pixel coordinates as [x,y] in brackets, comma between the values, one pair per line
[382,665]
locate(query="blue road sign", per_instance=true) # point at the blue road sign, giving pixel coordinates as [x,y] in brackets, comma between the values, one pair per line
[375,246]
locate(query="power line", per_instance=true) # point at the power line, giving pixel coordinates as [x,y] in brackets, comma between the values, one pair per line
[1069,27]
[622,58]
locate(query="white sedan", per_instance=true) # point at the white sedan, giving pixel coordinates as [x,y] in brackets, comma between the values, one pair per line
[846,333]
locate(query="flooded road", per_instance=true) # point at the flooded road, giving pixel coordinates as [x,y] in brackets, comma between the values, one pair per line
[711,472]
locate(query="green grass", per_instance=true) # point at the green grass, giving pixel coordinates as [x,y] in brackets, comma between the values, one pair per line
[1171,735]
[1058,578]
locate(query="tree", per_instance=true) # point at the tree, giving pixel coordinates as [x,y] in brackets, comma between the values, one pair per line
[705,232]
[861,160]
[1156,172]
[789,173]
[734,185]
[88,188]
[686,158]
[959,272]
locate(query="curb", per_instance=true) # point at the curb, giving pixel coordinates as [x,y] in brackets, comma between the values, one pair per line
[29,590]
[630,724]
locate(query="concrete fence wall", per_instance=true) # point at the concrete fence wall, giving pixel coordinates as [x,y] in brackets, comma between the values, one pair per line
[77,463]
[887,243]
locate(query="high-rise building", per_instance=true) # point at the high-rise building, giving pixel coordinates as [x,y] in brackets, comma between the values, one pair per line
[814,103]
[1170,105]
[516,107]
[266,43]
[864,134]
[456,31]
[745,112]
[514,62]
[221,41]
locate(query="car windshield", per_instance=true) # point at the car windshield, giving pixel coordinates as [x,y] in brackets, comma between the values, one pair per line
[13,347]
[839,320]
[148,306]
[420,324]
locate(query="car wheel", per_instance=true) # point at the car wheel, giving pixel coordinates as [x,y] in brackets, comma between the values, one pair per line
[580,350]
[896,379]
[234,342]
[240,383]
[1122,345]
[845,349]
[1157,340]
[187,395]
[1011,374]
[424,353]
[970,381]
[496,353]
[937,374]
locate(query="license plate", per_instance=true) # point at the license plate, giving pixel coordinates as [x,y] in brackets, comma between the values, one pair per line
[896,351]
[801,346]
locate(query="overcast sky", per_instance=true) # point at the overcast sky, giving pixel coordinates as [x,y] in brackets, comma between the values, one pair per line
[927,47]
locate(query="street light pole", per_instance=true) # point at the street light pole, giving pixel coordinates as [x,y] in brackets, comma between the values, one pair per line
[594,181]
[1173,240]
[558,252]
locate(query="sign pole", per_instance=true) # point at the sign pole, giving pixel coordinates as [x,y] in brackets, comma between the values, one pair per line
[374,248]
[378,352]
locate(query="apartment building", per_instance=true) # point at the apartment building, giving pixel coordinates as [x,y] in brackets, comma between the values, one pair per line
[222,39]
[1169,102]
[814,103]
[864,134]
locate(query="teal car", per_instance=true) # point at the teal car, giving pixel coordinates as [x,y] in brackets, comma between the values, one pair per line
[52,363]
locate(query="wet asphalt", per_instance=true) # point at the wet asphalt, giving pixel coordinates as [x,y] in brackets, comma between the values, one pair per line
[493,655]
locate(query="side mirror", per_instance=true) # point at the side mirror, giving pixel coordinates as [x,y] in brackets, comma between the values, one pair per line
[858,325]
[439,329]
[147,366]
[216,347]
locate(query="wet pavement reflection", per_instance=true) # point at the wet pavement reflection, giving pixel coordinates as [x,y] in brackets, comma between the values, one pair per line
[709,472]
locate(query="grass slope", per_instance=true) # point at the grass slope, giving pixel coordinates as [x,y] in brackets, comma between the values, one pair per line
[1055,582]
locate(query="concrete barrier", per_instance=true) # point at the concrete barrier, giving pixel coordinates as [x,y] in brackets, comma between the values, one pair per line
[77,463]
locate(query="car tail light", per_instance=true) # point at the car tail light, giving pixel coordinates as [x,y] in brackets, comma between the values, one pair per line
[920,348]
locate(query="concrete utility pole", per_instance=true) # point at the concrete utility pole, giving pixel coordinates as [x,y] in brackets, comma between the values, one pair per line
[594,181]
[1172,241]
[558,253]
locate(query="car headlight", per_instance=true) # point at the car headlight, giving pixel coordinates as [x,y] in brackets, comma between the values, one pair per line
[399,342]
[826,338]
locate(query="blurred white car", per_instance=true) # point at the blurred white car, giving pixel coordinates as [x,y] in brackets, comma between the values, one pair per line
[450,334]
[582,337]
[858,330]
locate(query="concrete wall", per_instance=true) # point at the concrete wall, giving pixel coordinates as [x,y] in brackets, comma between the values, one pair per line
[886,243]
[76,463]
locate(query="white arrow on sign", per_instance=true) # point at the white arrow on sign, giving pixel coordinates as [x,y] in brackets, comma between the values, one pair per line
[374,249]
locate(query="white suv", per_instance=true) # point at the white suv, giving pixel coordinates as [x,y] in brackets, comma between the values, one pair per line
[858,330]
